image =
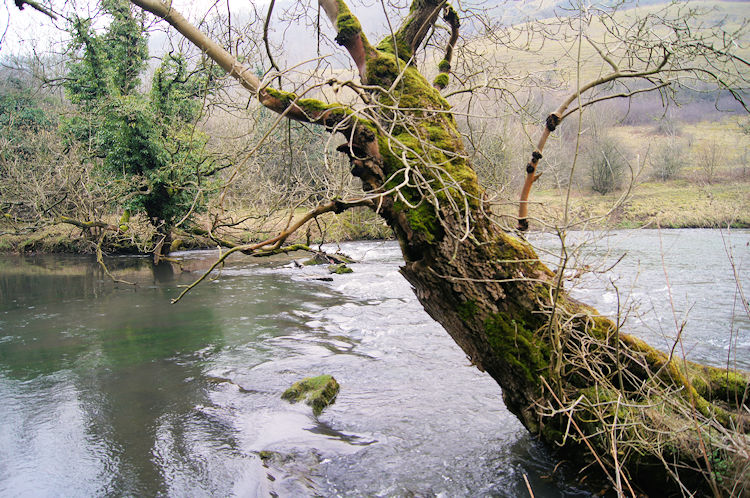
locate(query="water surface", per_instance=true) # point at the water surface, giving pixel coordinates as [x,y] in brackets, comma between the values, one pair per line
[109,390]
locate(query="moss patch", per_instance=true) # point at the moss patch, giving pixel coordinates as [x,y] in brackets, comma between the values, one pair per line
[313,108]
[517,345]
[441,80]
[286,98]
[318,392]
[395,45]
[467,310]
[431,143]
[347,26]
[719,384]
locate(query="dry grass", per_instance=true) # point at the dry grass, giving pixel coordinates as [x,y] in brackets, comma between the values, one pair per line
[690,199]
[676,204]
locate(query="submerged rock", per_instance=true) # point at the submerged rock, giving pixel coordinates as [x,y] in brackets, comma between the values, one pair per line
[340,269]
[318,392]
[318,258]
[292,474]
[323,258]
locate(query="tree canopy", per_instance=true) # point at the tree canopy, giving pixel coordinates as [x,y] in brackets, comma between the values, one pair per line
[146,140]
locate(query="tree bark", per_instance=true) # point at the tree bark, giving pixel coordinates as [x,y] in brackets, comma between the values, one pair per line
[566,372]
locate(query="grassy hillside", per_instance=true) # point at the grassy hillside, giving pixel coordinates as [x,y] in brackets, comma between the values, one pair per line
[688,148]
[699,195]
[558,52]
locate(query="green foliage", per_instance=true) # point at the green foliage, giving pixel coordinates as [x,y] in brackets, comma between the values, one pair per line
[146,141]
[106,64]
[720,467]
[21,111]
[22,117]
[175,91]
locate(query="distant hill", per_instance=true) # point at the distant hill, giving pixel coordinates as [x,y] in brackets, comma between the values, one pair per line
[529,9]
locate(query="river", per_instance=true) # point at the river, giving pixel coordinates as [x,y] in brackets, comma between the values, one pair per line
[107,389]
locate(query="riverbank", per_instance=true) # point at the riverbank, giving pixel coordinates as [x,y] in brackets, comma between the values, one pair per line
[356,224]
[674,204]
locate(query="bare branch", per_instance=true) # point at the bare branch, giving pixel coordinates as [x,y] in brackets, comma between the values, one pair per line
[36,6]
[273,244]
[451,17]
[422,16]
[348,32]
[265,38]
[212,49]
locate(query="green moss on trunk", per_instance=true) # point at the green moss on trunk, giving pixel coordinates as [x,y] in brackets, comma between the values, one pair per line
[441,80]
[431,145]
[347,25]
[518,346]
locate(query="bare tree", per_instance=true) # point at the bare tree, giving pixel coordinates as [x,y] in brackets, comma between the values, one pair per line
[666,47]
[607,164]
[669,157]
[709,157]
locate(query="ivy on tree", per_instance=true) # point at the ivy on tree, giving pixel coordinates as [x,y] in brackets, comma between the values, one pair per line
[144,140]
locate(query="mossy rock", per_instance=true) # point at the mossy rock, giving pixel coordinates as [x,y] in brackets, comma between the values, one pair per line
[269,455]
[322,258]
[343,258]
[317,259]
[318,392]
[340,269]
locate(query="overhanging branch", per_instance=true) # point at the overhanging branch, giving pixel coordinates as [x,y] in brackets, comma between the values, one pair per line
[274,244]
[554,119]
[36,6]
[285,103]
[348,33]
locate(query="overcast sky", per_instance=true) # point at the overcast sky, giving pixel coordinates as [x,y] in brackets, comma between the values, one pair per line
[29,30]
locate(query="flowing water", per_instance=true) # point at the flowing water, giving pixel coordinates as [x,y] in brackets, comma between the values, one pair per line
[109,390]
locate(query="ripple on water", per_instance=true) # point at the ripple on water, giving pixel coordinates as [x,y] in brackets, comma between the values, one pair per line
[149,399]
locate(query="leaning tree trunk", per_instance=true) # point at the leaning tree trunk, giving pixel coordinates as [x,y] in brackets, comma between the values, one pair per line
[566,372]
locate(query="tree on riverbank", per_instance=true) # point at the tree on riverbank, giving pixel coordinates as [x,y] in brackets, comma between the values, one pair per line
[146,143]
[567,373]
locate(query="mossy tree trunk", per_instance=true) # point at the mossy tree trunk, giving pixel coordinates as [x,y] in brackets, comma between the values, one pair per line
[565,371]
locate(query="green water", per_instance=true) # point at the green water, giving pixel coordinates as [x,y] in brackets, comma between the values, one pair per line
[109,390]
[90,371]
